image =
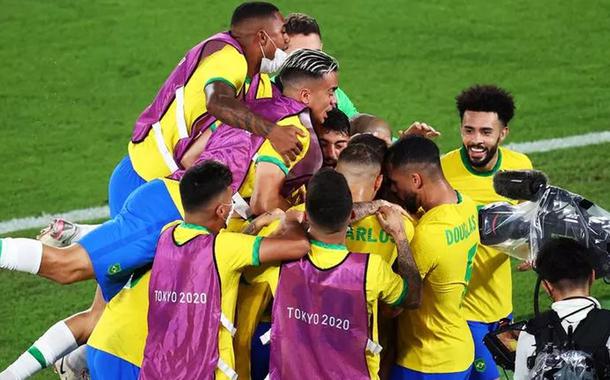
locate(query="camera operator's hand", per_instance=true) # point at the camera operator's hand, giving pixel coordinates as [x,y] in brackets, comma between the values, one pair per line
[525,266]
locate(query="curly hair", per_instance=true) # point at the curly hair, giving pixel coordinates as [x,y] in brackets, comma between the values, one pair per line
[487,98]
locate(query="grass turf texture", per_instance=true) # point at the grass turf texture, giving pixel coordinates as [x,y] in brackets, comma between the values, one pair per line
[75,76]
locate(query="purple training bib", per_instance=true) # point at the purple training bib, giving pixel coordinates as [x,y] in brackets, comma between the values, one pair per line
[184,313]
[320,321]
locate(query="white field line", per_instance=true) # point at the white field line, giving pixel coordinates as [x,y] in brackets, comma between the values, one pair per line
[20,224]
[561,143]
[41,221]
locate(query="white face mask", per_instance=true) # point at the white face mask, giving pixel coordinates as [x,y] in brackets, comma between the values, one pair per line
[271,66]
[230,214]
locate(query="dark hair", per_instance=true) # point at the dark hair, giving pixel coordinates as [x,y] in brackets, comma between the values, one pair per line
[413,150]
[486,98]
[360,154]
[306,63]
[564,259]
[202,183]
[251,10]
[300,23]
[372,142]
[329,200]
[336,121]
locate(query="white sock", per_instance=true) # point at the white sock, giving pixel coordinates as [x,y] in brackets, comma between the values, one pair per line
[23,255]
[77,359]
[83,229]
[52,345]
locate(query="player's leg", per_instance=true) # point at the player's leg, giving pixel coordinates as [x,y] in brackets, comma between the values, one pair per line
[62,265]
[62,338]
[123,181]
[484,366]
[105,366]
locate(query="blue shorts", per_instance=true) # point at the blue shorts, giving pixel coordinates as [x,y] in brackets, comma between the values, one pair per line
[127,242]
[484,366]
[104,366]
[402,373]
[123,181]
[260,354]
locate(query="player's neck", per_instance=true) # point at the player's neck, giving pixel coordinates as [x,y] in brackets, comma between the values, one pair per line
[442,193]
[203,220]
[361,192]
[334,238]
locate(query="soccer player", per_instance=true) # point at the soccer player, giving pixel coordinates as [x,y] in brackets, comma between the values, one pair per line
[333,135]
[485,113]
[194,278]
[434,341]
[209,84]
[127,242]
[304,33]
[323,324]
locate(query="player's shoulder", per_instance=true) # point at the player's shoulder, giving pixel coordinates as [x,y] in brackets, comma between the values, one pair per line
[451,156]
[293,120]
[514,160]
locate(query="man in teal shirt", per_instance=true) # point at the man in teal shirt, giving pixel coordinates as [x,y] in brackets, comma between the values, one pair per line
[304,33]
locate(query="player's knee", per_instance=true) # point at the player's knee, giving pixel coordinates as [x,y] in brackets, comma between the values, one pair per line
[66,265]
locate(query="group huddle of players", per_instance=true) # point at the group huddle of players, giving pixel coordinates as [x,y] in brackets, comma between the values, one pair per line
[292,236]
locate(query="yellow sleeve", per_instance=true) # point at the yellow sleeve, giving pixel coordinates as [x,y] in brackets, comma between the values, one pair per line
[226,65]
[382,283]
[237,250]
[266,153]
[269,275]
[425,253]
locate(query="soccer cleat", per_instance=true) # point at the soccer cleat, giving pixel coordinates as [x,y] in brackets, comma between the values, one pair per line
[66,373]
[60,233]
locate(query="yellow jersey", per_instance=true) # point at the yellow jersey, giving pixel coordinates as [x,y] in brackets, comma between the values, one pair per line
[227,65]
[363,236]
[381,284]
[435,337]
[122,328]
[489,296]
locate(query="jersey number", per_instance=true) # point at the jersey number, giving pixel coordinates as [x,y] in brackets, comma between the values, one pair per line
[471,252]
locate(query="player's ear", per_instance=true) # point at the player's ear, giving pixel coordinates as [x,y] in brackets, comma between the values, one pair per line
[504,133]
[417,180]
[305,95]
[378,182]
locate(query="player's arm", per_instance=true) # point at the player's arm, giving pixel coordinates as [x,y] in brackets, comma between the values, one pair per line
[268,181]
[363,209]
[223,105]
[62,265]
[392,221]
[289,243]
[263,220]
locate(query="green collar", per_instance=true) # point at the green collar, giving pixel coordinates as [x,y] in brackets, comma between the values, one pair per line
[339,247]
[193,227]
[468,166]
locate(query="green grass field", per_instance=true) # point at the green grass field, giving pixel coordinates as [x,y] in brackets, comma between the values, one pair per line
[75,75]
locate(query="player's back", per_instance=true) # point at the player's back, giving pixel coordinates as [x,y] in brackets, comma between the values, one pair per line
[367,235]
[435,338]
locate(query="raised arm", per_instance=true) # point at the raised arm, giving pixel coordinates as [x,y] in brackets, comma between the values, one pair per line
[223,105]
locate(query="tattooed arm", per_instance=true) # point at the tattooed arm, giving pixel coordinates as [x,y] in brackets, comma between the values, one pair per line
[392,221]
[222,104]
[363,209]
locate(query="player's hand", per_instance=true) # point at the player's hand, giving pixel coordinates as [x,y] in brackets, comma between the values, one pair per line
[420,129]
[525,266]
[294,216]
[392,221]
[285,140]
[268,217]
[383,203]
